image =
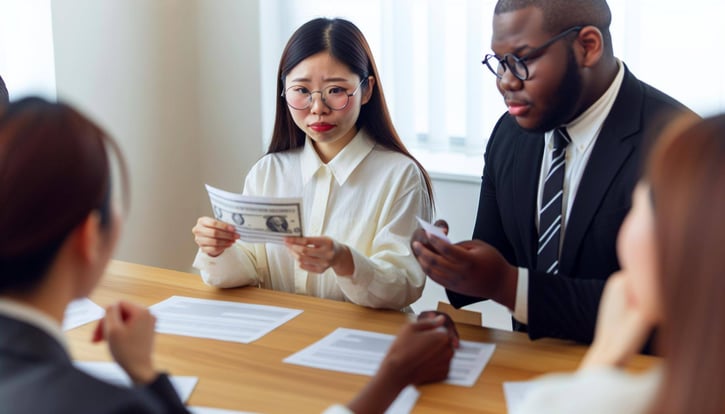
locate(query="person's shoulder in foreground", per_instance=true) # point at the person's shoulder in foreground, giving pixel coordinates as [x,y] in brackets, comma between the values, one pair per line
[55,243]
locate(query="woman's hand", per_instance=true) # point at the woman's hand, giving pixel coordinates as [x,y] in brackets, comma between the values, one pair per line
[317,254]
[129,330]
[622,327]
[213,236]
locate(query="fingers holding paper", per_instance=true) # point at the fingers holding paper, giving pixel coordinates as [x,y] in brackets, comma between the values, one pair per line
[213,236]
[471,267]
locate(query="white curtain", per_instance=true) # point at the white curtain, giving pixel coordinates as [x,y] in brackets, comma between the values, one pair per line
[444,102]
[26,48]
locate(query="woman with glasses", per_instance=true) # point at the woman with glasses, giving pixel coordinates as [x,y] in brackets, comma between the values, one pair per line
[670,248]
[58,229]
[334,146]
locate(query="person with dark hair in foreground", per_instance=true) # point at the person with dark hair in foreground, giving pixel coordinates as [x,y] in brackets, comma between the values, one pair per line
[559,170]
[58,229]
[670,247]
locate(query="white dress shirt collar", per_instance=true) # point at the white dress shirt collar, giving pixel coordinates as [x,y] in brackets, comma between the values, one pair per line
[24,313]
[344,162]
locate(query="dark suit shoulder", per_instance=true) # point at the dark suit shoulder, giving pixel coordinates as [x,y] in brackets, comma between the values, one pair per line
[39,377]
[505,138]
[659,99]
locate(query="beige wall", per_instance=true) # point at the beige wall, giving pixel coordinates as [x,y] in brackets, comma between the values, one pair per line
[175,82]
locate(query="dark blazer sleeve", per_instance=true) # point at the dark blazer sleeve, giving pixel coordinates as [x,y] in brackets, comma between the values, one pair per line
[163,390]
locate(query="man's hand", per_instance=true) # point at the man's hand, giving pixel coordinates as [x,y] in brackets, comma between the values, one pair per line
[473,268]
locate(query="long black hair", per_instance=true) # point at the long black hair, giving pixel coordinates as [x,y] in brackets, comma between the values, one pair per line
[346,43]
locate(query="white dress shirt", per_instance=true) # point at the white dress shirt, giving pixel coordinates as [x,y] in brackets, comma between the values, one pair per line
[601,390]
[583,131]
[367,197]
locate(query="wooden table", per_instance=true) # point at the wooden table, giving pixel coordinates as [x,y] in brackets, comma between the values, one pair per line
[252,377]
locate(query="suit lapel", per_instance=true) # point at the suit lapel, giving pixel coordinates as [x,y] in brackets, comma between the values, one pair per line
[611,151]
[529,148]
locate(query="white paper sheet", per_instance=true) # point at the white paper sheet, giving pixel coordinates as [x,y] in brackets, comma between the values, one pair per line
[431,229]
[216,319]
[257,219]
[112,373]
[515,393]
[80,312]
[361,352]
[209,410]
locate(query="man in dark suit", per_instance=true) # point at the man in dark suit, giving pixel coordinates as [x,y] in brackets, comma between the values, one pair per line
[559,171]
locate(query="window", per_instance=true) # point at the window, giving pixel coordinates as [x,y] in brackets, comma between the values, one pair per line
[444,103]
[26,48]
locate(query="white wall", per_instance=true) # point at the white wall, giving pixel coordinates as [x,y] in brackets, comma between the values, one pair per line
[175,82]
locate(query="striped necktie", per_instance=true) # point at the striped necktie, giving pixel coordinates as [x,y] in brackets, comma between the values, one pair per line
[550,214]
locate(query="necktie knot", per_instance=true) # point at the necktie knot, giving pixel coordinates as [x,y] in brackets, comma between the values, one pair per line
[561,139]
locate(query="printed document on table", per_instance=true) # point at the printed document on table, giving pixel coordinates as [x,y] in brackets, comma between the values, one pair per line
[258,219]
[112,373]
[361,352]
[80,312]
[515,393]
[216,319]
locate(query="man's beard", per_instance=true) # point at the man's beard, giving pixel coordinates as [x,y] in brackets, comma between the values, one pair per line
[564,105]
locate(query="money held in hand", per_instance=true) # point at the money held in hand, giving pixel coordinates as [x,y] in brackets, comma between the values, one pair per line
[257,219]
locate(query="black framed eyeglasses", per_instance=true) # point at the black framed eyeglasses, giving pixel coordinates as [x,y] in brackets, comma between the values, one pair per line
[335,97]
[517,65]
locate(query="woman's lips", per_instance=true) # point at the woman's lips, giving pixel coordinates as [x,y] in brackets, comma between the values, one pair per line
[321,127]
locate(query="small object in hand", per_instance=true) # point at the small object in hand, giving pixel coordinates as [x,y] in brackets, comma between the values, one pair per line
[432,230]
[448,324]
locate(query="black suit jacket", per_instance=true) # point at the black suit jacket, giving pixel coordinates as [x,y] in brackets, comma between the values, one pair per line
[565,305]
[37,376]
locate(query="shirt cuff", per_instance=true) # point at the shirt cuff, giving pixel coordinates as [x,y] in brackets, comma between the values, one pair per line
[521,309]
[338,409]
[226,270]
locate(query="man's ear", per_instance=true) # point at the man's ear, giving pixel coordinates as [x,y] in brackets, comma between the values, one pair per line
[590,42]
[368,91]
[87,237]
